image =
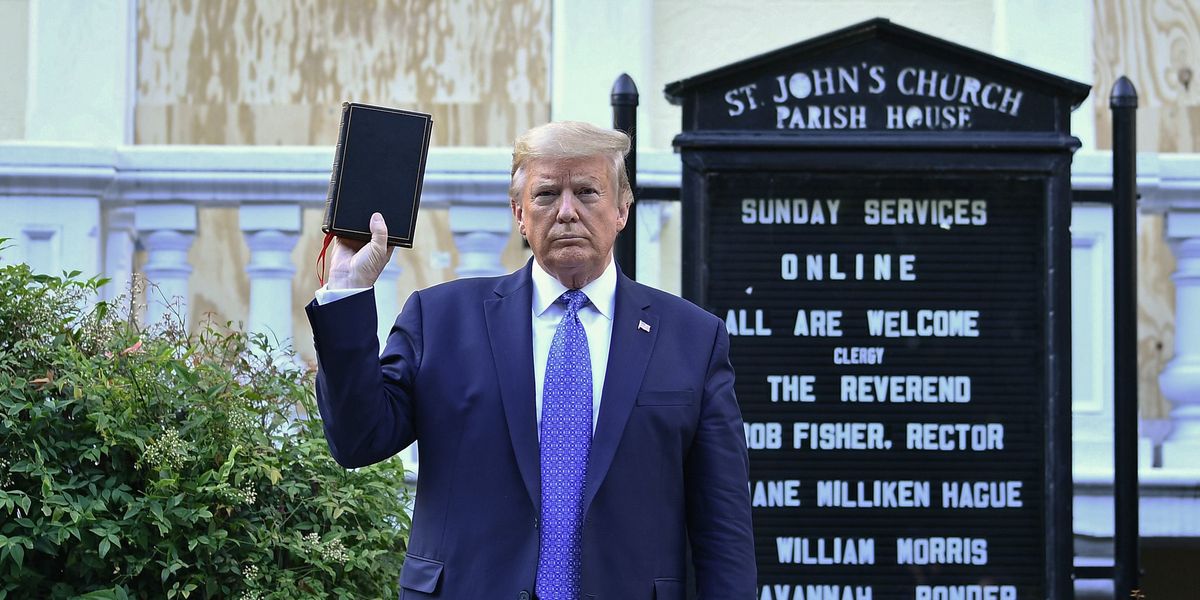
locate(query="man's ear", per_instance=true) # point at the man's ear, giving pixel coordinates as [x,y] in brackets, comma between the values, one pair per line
[518,215]
[623,214]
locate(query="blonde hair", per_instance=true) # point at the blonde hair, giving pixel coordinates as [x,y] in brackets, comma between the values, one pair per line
[570,140]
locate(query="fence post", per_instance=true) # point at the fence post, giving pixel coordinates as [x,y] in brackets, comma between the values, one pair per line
[624,107]
[1123,103]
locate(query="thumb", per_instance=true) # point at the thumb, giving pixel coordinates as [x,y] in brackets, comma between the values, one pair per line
[379,232]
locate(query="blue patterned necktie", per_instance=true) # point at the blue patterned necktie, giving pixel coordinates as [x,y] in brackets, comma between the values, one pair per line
[566,438]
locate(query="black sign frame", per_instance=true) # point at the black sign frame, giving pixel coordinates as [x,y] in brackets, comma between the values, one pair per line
[1045,153]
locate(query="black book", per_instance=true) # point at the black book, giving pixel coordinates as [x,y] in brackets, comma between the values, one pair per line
[378,166]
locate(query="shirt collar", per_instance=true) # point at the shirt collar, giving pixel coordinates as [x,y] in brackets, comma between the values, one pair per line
[602,292]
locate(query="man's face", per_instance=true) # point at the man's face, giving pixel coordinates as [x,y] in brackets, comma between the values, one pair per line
[571,214]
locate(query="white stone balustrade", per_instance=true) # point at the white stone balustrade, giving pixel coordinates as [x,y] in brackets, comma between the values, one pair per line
[95,202]
[119,244]
[387,298]
[271,232]
[1180,381]
[1174,190]
[166,232]
[480,233]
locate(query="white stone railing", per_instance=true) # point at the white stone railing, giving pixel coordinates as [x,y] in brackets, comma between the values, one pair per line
[86,208]
[1169,501]
[1168,184]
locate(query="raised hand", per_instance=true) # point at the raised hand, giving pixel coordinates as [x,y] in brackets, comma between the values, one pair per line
[355,264]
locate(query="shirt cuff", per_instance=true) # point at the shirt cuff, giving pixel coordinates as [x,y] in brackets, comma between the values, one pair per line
[324,295]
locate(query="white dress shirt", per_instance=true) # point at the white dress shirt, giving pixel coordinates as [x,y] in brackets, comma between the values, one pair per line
[596,316]
[325,295]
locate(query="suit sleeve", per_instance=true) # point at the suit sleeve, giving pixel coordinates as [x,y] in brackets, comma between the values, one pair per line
[366,400]
[718,497]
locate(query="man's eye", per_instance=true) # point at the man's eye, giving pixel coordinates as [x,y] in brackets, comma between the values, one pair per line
[587,191]
[544,193]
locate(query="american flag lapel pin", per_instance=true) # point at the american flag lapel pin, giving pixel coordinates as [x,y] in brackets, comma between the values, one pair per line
[644,326]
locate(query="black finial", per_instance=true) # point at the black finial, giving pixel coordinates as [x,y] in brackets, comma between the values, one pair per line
[624,91]
[1123,94]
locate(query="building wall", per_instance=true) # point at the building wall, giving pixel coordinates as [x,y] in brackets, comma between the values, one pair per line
[14,67]
[1156,43]
[733,31]
[233,72]
[271,73]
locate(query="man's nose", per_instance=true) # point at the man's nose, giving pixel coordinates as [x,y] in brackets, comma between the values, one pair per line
[568,207]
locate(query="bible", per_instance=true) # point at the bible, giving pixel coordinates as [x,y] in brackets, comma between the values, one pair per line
[378,166]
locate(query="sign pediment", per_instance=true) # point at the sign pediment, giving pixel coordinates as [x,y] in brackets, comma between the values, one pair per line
[876,77]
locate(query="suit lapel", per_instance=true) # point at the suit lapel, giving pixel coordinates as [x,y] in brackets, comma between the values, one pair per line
[510,332]
[628,353]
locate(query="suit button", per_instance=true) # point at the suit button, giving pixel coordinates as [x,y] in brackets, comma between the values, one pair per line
[524,595]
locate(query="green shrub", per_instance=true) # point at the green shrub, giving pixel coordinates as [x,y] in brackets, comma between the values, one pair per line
[153,464]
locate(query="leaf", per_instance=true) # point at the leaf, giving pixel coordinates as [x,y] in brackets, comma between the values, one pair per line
[104,546]
[274,475]
[18,554]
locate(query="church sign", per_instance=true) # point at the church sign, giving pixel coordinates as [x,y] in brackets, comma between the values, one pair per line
[881,218]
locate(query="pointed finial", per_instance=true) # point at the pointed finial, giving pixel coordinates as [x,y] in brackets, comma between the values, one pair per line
[1123,94]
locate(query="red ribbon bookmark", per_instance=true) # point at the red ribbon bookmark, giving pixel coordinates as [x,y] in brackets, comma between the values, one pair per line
[321,259]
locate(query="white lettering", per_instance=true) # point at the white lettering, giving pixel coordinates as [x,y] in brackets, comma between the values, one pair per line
[949,437]
[927,323]
[825,551]
[981,494]
[966,592]
[839,436]
[788,591]
[882,268]
[789,211]
[773,494]
[763,436]
[737,323]
[791,388]
[943,213]
[873,494]
[857,356]
[818,323]
[906,388]
[941,551]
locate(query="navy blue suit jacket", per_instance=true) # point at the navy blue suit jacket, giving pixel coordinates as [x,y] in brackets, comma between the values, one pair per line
[668,463]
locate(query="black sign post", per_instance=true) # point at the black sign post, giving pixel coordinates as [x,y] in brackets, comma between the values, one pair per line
[881,218]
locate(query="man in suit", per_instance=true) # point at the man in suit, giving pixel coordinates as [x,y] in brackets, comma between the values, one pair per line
[578,430]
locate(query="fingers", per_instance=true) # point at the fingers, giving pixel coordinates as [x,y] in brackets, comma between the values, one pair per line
[348,245]
[379,232]
[357,264]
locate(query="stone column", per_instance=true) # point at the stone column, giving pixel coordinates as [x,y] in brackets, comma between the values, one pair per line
[480,234]
[650,220]
[1180,381]
[271,231]
[387,297]
[166,232]
[119,245]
